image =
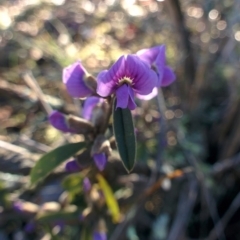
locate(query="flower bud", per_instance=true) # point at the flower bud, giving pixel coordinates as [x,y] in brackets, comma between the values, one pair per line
[99,236]
[95,110]
[18,206]
[100,150]
[90,82]
[86,184]
[72,166]
[30,227]
[59,121]
[74,79]
[100,232]
[100,160]
[80,125]
[101,144]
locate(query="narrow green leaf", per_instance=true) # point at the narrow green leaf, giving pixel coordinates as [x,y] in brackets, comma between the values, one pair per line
[48,162]
[110,199]
[125,136]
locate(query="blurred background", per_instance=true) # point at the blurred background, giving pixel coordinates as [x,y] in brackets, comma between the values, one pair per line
[188,154]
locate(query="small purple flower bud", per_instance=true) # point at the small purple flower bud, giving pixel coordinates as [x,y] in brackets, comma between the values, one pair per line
[72,166]
[89,105]
[59,121]
[86,184]
[99,236]
[60,224]
[81,217]
[128,75]
[30,227]
[74,79]
[18,206]
[100,160]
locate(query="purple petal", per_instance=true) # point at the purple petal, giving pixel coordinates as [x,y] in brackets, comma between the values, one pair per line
[125,97]
[144,79]
[134,69]
[108,80]
[18,206]
[149,96]
[149,55]
[131,103]
[100,160]
[30,227]
[160,63]
[122,95]
[168,77]
[73,78]
[99,236]
[72,166]
[60,223]
[59,121]
[89,105]
[86,184]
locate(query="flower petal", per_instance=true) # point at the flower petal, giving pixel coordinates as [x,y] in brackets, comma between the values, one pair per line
[72,166]
[99,236]
[168,77]
[144,79]
[18,206]
[131,103]
[122,95]
[100,160]
[149,96]
[160,63]
[30,227]
[73,78]
[149,55]
[86,184]
[89,105]
[108,80]
[59,121]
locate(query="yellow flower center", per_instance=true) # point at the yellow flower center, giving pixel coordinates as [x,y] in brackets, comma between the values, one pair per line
[126,80]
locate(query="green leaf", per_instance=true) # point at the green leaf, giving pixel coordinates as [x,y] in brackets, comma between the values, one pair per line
[125,136]
[48,162]
[110,199]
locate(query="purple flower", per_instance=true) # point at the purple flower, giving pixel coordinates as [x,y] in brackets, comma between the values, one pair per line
[59,121]
[99,236]
[86,184]
[74,78]
[155,57]
[72,166]
[100,160]
[89,105]
[18,206]
[30,227]
[60,224]
[128,75]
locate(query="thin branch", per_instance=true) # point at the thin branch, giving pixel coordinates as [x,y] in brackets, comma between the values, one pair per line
[23,139]
[222,223]
[16,149]
[187,198]
[32,83]
[208,197]
[225,165]
[163,126]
